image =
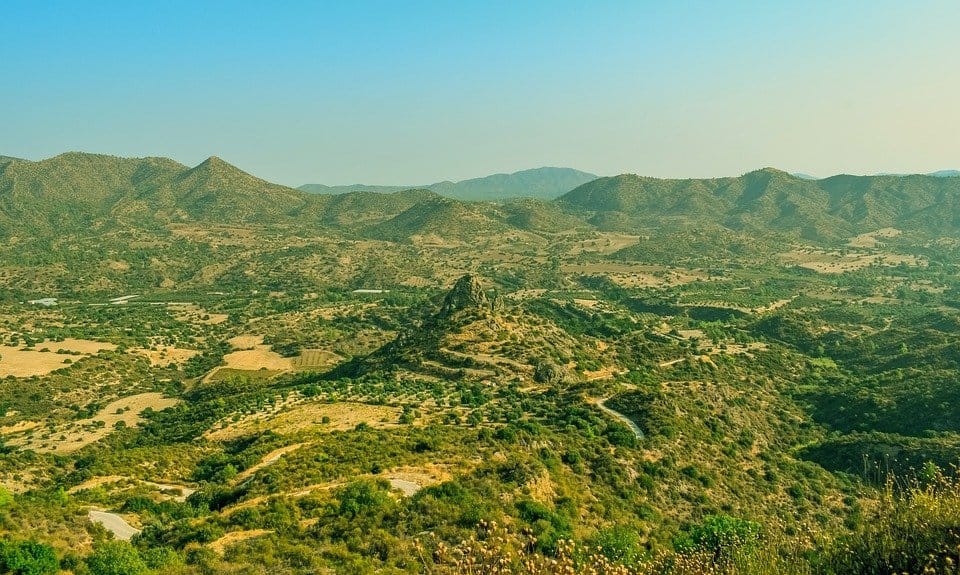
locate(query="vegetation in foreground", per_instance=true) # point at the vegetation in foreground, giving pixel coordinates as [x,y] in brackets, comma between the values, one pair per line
[612,383]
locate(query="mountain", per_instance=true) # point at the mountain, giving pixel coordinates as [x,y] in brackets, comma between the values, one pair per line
[770,200]
[945,174]
[333,190]
[541,183]
[216,190]
[357,209]
[441,218]
[79,191]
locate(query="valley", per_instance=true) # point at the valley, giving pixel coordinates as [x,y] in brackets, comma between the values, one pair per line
[312,381]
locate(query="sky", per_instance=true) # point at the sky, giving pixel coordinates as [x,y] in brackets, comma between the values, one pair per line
[391,92]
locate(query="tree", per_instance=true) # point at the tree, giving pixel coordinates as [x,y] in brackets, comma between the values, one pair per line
[721,535]
[116,558]
[27,558]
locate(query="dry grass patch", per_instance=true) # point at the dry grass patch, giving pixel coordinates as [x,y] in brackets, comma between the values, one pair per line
[43,358]
[316,358]
[318,417]
[637,275]
[606,244]
[192,313]
[835,262]
[72,436]
[268,460]
[245,341]
[873,239]
[262,357]
[166,355]
[234,537]
[252,356]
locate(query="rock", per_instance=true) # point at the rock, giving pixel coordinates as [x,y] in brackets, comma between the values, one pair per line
[467,293]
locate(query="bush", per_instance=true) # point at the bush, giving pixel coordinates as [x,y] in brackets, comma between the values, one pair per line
[27,558]
[720,535]
[116,558]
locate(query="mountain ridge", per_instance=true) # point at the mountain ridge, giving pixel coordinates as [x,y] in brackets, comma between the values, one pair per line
[542,183]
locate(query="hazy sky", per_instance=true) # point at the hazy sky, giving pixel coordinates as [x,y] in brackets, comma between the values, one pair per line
[413,92]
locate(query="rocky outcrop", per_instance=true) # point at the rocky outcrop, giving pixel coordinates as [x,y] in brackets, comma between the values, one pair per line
[467,293]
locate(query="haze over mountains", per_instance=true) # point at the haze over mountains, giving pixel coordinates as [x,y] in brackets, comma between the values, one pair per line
[88,192]
[541,183]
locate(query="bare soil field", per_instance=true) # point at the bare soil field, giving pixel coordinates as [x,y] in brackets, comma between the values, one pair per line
[834,262]
[251,355]
[165,355]
[637,275]
[43,357]
[72,436]
[311,416]
[316,358]
[192,313]
[606,244]
[873,239]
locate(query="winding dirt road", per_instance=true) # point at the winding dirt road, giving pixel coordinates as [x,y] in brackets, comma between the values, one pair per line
[602,404]
[113,523]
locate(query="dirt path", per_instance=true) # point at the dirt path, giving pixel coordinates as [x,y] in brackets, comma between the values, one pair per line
[114,524]
[269,459]
[612,412]
[409,488]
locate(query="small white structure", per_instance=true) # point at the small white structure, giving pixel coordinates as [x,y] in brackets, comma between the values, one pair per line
[45,301]
[123,299]
[373,291]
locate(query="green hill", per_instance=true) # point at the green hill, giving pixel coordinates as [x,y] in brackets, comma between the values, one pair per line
[78,191]
[541,183]
[441,217]
[769,200]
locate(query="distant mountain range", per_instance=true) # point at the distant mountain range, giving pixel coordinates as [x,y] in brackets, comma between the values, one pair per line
[937,174]
[770,200]
[539,183]
[95,194]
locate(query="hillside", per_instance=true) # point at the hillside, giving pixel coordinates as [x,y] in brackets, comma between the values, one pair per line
[541,183]
[442,218]
[773,201]
[78,191]
[226,370]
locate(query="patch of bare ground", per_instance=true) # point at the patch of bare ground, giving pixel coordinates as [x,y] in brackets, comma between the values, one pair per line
[192,313]
[174,492]
[166,355]
[74,435]
[46,356]
[220,545]
[606,244]
[637,275]
[873,239]
[416,282]
[837,262]
[268,460]
[19,427]
[314,416]
[524,294]
[252,355]
[316,359]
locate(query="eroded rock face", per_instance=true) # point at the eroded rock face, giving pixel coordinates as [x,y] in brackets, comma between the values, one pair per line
[467,293]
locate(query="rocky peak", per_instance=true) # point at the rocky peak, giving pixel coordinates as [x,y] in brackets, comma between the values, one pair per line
[466,293]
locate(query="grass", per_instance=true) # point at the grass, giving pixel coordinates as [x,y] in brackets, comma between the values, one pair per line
[914,529]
